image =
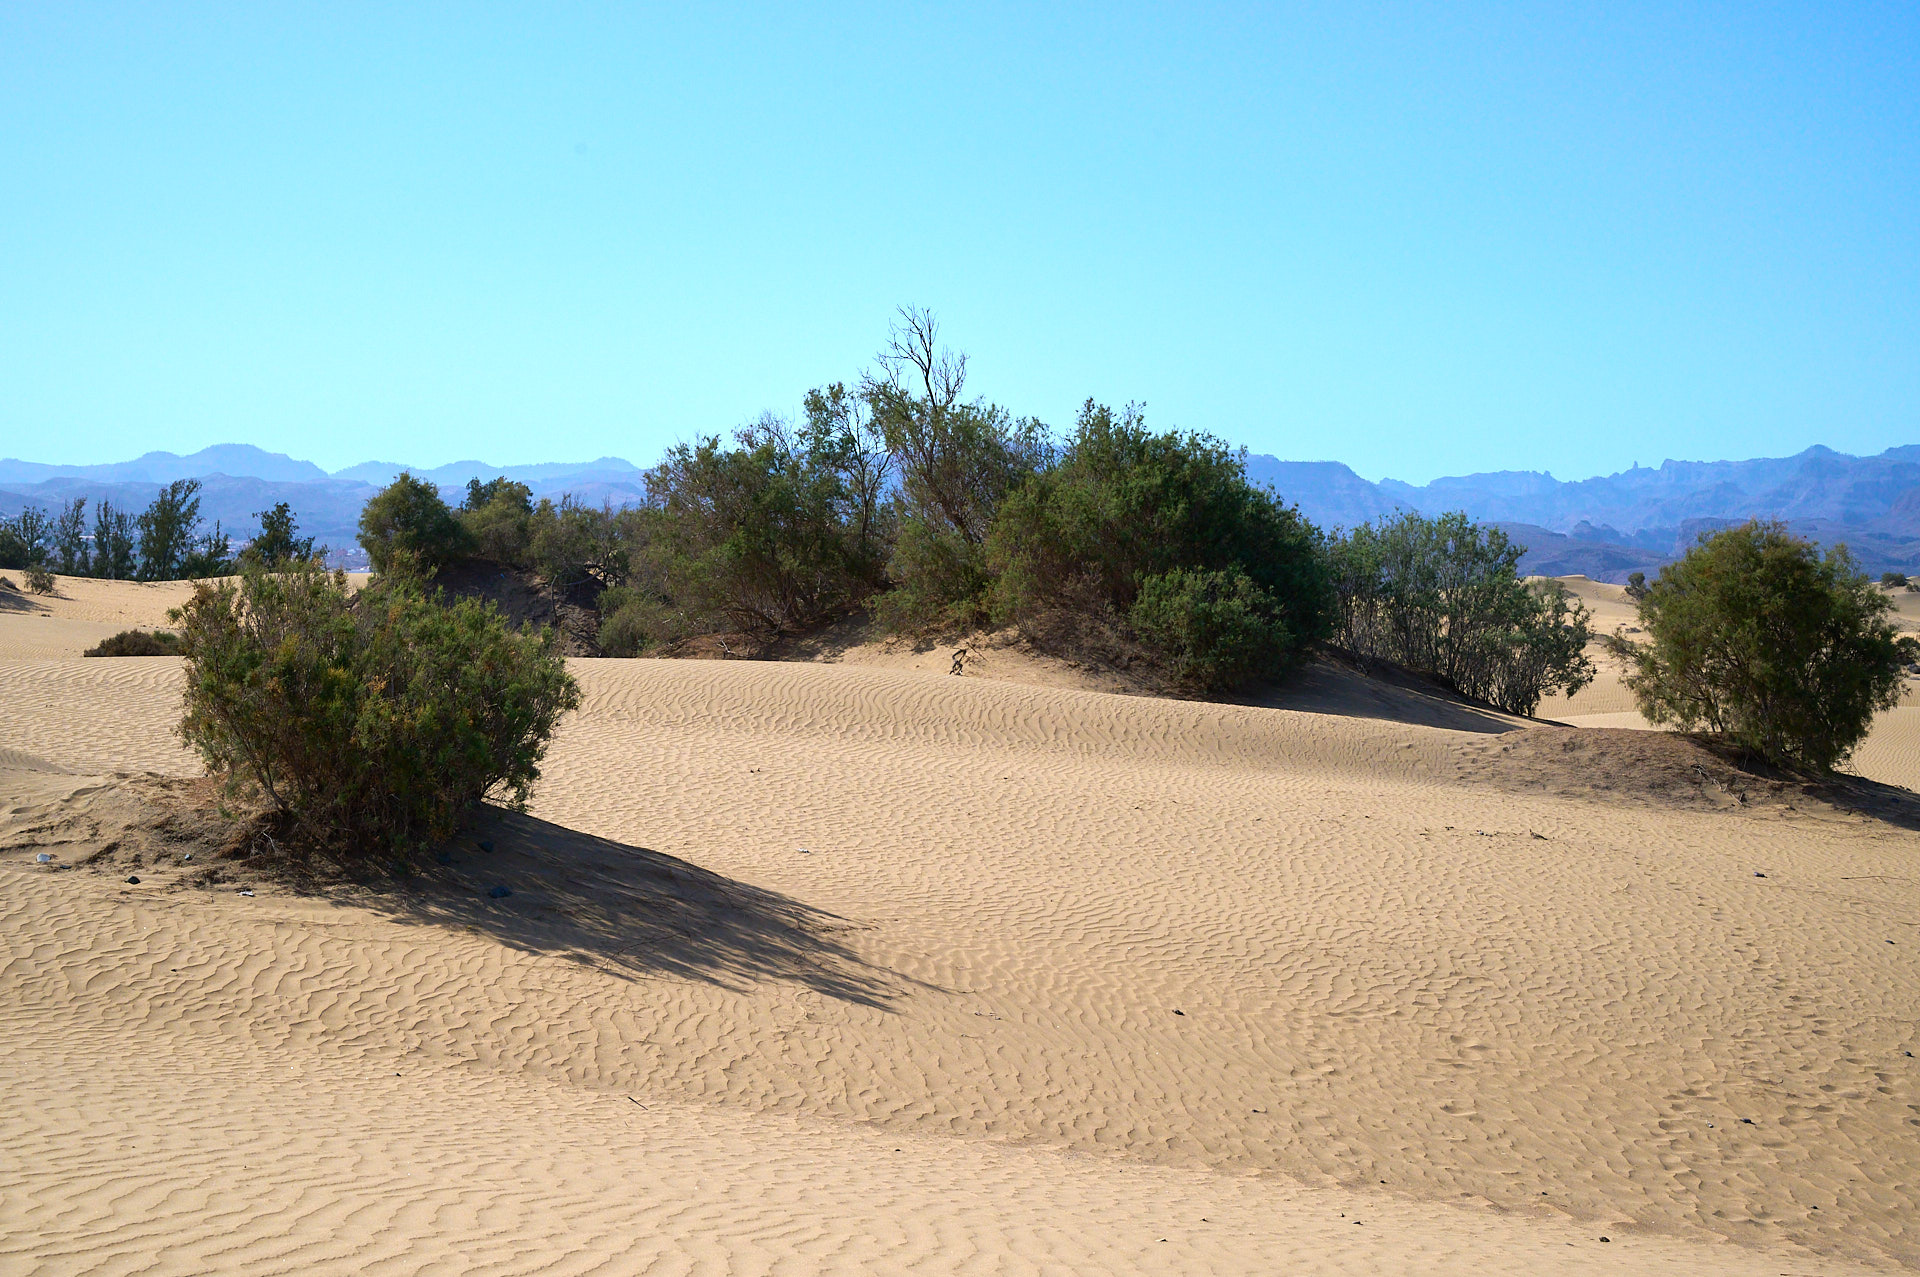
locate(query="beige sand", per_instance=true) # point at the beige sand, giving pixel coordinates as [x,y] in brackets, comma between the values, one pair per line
[1075,972]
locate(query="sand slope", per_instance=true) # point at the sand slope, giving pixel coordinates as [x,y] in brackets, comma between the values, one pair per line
[1099,966]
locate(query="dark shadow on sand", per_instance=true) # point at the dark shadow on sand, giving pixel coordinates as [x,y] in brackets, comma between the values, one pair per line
[17,600]
[626,910]
[1329,685]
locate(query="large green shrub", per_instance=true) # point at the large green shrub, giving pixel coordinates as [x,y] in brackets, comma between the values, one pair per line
[634,621]
[1126,512]
[374,722]
[1444,597]
[1757,637]
[764,538]
[407,524]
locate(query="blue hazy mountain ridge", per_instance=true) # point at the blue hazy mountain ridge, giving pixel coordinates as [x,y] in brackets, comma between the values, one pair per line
[1604,527]
[1637,519]
[241,460]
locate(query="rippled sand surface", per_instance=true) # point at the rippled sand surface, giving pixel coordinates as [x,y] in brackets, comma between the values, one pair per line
[842,968]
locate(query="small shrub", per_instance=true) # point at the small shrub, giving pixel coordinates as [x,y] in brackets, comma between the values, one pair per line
[1636,585]
[39,580]
[1758,638]
[373,723]
[1894,580]
[634,622]
[1216,630]
[137,643]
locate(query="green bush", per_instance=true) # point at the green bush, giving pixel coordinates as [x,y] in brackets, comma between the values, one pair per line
[39,580]
[137,643]
[1756,637]
[1216,630]
[372,723]
[957,460]
[634,622]
[1894,580]
[406,525]
[764,538]
[1124,506]
[499,515]
[1444,597]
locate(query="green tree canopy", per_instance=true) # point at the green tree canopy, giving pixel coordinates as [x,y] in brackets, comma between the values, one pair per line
[168,529]
[408,523]
[280,541]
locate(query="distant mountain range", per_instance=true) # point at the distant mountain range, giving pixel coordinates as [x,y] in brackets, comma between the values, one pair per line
[1603,527]
[1640,518]
[238,480]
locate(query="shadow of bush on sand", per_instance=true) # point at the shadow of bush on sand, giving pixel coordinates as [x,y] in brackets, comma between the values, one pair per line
[626,910]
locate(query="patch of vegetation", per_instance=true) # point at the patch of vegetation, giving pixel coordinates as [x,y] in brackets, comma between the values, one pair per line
[1444,597]
[137,643]
[1163,533]
[957,460]
[408,527]
[279,542]
[1759,639]
[372,723]
[23,538]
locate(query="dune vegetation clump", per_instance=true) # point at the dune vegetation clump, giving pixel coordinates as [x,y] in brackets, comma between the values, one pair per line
[901,495]
[408,523]
[1215,577]
[1444,597]
[1758,638]
[137,643]
[372,723]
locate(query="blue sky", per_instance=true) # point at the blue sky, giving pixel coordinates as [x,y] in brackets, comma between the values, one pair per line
[1419,239]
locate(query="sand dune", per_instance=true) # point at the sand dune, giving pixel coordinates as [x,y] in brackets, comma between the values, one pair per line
[1098,967]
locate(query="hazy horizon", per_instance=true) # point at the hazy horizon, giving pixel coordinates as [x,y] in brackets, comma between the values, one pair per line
[642,463]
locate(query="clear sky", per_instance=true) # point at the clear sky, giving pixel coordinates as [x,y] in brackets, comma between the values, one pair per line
[1420,239]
